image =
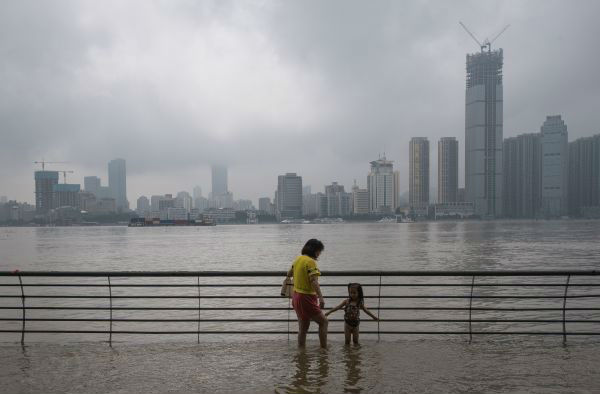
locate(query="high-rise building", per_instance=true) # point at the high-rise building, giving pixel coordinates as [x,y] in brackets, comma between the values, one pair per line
[338,201]
[289,196]
[396,192]
[243,205]
[219,180]
[483,132]
[220,197]
[201,203]
[264,204]
[418,172]
[167,201]
[184,200]
[197,192]
[522,176]
[92,184]
[380,184]
[360,201]
[154,202]
[65,195]
[143,205]
[584,174]
[117,183]
[310,205]
[447,170]
[322,206]
[555,167]
[44,192]
[159,205]
[3,199]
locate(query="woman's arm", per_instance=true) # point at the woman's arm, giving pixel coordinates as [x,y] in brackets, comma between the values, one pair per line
[337,308]
[290,272]
[314,281]
[368,312]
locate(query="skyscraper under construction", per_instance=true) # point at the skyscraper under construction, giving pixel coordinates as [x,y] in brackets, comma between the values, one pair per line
[483,132]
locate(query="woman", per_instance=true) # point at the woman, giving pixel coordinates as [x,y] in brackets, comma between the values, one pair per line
[307,298]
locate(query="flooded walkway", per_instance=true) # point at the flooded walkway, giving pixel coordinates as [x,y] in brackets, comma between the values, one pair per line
[504,365]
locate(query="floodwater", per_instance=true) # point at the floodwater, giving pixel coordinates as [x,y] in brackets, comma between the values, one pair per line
[271,363]
[276,366]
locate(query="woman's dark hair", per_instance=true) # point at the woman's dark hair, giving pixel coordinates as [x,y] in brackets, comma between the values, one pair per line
[361,297]
[312,248]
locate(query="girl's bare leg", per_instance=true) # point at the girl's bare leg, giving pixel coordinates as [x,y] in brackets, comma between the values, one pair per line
[347,333]
[355,335]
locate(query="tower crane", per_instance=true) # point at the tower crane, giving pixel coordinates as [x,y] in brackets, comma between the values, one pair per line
[486,43]
[65,174]
[44,162]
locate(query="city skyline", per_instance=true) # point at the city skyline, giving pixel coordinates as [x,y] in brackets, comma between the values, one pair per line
[338,138]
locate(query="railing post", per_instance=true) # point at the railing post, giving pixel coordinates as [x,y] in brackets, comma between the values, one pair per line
[564,311]
[378,306]
[111,311]
[199,305]
[471,309]
[22,311]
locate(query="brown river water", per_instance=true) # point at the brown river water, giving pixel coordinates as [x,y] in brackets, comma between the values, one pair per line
[259,363]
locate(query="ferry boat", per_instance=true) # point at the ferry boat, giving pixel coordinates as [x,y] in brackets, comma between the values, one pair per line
[143,222]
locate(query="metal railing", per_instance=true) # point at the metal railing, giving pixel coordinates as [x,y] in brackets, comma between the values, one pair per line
[532,301]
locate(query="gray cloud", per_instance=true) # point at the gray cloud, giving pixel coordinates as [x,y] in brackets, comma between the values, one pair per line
[319,88]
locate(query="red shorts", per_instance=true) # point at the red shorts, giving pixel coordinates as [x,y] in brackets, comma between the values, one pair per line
[306,305]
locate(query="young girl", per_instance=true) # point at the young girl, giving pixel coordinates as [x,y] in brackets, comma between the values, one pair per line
[352,306]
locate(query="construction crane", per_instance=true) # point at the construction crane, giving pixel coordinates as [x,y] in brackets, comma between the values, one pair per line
[43,163]
[65,174]
[486,43]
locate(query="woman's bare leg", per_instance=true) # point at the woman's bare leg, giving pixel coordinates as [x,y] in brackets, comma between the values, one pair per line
[303,326]
[323,324]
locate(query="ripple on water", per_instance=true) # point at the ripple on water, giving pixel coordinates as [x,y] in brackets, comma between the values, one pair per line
[529,365]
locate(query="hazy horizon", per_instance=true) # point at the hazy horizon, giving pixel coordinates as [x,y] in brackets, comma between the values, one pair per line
[266,88]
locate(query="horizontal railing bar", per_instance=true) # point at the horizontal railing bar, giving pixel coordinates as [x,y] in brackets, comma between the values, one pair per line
[292,320]
[286,308]
[283,273]
[322,285]
[295,332]
[279,297]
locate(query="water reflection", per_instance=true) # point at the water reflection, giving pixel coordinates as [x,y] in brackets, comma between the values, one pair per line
[311,371]
[483,246]
[353,366]
[25,363]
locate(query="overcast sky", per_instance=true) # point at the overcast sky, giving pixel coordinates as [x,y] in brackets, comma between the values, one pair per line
[314,87]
